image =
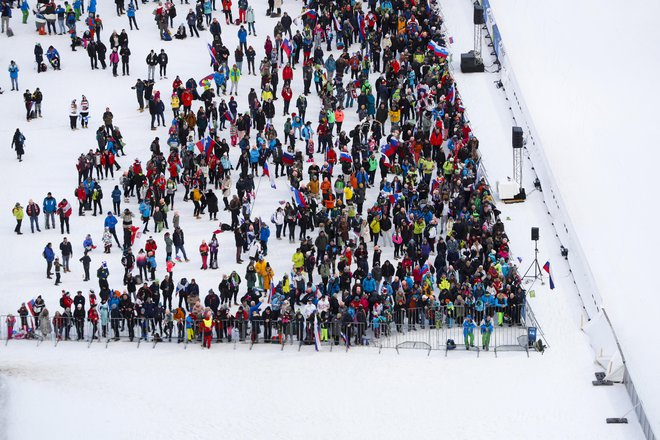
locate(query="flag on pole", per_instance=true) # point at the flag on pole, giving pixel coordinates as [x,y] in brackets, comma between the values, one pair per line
[437,49]
[287,158]
[270,176]
[287,47]
[30,305]
[548,269]
[214,60]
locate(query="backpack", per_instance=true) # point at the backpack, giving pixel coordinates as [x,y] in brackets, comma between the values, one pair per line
[451,345]
[272,218]
[10,33]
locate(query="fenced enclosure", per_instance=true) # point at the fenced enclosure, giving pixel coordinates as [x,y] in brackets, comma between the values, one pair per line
[436,328]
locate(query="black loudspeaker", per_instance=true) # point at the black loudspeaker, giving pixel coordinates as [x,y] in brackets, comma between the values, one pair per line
[478,14]
[470,63]
[517,137]
[535,234]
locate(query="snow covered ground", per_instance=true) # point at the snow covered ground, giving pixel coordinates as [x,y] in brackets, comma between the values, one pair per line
[589,83]
[168,391]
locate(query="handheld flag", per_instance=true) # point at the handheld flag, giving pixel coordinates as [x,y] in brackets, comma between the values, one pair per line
[437,49]
[214,60]
[299,198]
[345,157]
[546,267]
[388,149]
[311,14]
[270,176]
[287,47]
[287,158]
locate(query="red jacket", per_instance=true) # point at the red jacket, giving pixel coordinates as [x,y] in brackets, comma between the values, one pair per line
[287,73]
[80,194]
[187,98]
[436,138]
[287,94]
[150,246]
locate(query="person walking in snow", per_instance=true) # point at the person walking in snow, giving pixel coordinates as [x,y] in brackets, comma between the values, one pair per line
[18,144]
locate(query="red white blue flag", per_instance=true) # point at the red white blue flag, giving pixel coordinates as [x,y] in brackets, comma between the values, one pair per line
[548,269]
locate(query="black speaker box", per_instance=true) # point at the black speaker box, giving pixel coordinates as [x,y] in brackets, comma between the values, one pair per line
[535,233]
[470,63]
[479,14]
[517,137]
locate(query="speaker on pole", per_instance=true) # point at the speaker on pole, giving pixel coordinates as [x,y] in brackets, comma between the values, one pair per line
[478,14]
[517,137]
[535,234]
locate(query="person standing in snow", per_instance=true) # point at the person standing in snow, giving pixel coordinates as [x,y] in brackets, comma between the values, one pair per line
[234,77]
[162,63]
[49,256]
[73,115]
[84,111]
[33,212]
[13,75]
[18,214]
[152,61]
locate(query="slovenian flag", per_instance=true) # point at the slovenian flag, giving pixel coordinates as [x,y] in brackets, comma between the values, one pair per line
[437,49]
[287,47]
[389,149]
[395,198]
[546,267]
[30,305]
[214,60]
[270,176]
[451,94]
[338,27]
[229,116]
[206,146]
[287,158]
[424,271]
[311,14]
[361,26]
[345,156]
[298,198]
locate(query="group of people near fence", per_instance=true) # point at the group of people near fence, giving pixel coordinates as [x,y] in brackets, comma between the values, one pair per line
[406,176]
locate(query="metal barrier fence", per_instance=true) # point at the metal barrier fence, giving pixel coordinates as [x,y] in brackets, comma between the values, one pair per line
[441,328]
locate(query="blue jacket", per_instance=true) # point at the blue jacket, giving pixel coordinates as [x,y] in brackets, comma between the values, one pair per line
[49,255]
[487,326]
[254,155]
[330,65]
[468,327]
[131,10]
[110,222]
[50,204]
[265,233]
[116,195]
[13,71]
[25,7]
[88,243]
[369,284]
[242,35]
[145,209]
